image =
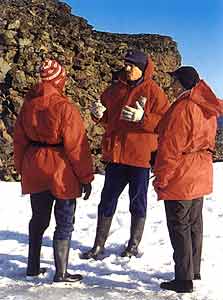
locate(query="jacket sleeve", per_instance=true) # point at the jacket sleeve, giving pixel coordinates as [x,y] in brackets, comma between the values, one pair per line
[155,111]
[76,144]
[172,144]
[20,142]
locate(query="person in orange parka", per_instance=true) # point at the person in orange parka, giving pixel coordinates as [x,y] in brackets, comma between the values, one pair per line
[52,154]
[130,109]
[183,170]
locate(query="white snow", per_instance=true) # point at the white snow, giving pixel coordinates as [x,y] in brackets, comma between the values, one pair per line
[113,277]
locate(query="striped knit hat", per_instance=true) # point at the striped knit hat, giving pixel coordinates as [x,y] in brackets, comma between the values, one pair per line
[52,70]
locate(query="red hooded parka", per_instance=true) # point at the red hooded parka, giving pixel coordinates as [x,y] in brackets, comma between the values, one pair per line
[48,117]
[125,142]
[183,167]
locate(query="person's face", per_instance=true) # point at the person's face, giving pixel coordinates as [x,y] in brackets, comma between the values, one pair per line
[177,87]
[133,72]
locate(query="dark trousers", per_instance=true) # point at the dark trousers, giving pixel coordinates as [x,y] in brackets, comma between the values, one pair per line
[117,176]
[185,225]
[41,204]
[64,210]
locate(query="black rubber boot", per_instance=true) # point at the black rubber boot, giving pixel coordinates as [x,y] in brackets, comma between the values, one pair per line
[33,267]
[32,276]
[136,232]
[178,286]
[61,253]
[102,231]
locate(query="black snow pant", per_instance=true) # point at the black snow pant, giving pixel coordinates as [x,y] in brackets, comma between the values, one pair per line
[185,226]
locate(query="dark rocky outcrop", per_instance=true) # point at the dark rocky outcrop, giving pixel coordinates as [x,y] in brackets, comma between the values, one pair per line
[31,30]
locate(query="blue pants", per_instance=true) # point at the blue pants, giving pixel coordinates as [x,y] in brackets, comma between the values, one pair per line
[64,210]
[117,176]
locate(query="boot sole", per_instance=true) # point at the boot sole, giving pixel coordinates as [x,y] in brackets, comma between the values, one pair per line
[175,289]
[42,274]
[99,256]
[64,284]
[178,291]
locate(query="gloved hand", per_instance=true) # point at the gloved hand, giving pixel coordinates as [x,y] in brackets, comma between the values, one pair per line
[98,109]
[159,184]
[86,189]
[142,101]
[132,114]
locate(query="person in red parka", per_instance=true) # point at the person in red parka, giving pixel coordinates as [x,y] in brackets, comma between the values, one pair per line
[130,109]
[52,154]
[183,170]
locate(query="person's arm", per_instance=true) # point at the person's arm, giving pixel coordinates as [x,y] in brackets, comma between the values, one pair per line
[159,106]
[172,144]
[20,142]
[76,144]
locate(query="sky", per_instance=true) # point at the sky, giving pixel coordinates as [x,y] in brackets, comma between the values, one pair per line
[113,277]
[196,26]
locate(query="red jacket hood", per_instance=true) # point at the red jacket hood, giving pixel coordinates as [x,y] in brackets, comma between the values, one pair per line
[149,69]
[203,96]
[43,92]
[42,89]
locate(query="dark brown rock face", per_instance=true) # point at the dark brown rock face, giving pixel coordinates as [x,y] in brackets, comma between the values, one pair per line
[218,155]
[31,30]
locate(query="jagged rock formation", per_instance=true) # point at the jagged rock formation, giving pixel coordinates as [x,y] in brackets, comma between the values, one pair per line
[31,30]
[218,155]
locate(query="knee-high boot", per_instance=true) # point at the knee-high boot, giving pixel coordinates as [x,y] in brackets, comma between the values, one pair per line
[61,250]
[35,242]
[102,231]
[136,232]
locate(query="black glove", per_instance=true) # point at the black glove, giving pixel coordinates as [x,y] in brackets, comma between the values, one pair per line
[153,159]
[86,189]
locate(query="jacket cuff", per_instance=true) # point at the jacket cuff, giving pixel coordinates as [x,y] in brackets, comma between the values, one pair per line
[87,179]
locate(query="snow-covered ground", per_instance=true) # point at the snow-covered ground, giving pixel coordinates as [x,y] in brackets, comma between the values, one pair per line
[113,277]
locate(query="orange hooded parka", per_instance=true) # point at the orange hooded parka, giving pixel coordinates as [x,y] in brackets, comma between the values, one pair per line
[183,167]
[48,117]
[125,142]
